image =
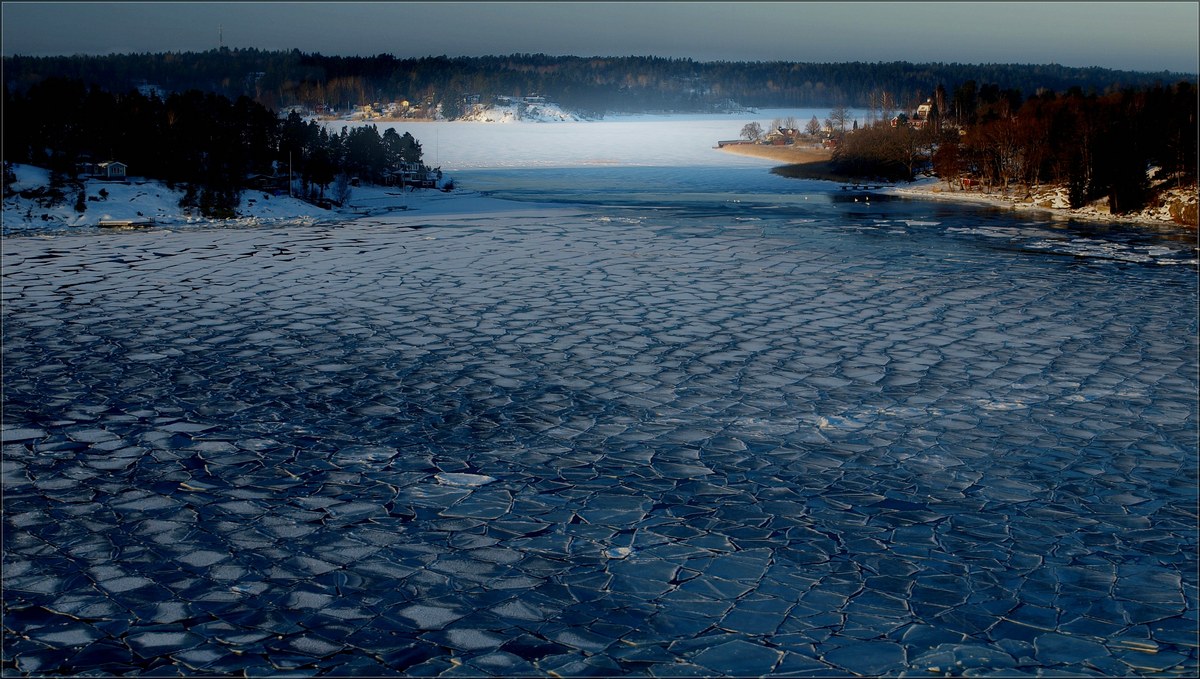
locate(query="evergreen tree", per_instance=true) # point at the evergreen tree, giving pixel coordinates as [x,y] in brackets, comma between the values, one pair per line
[410,148]
[814,127]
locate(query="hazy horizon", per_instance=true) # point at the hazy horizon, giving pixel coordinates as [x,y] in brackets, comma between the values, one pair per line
[1128,36]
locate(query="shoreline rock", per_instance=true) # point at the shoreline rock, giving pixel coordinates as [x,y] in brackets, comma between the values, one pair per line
[1176,208]
[1052,199]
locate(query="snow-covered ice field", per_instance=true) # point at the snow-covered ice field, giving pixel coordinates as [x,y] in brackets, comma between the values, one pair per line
[636,420]
[679,140]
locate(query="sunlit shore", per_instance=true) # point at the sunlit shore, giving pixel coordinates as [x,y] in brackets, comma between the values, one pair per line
[804,161]
[1053,200]
[809,162]
[796,153]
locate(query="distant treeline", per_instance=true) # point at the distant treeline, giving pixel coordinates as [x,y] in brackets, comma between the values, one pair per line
[202,141]
[590,85]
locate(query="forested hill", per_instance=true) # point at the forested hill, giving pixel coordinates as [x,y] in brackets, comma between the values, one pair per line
[591,85]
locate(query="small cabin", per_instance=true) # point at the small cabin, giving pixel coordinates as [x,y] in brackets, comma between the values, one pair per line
[111,170]
[268,183]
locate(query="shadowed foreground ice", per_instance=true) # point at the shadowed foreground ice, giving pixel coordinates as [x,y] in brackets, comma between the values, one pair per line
[564,443]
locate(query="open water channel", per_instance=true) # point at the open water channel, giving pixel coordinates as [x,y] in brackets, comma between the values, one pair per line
[666,421]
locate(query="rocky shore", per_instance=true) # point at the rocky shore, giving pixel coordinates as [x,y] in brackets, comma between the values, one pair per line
[1172,207]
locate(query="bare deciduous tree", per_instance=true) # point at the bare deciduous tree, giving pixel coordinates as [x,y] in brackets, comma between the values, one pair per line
[752,131]
[840,117]
[887,104]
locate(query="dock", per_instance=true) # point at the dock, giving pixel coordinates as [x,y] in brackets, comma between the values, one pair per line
[125,223]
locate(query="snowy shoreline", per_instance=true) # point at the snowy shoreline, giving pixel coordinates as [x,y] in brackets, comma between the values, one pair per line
[1051,200]
[149,203]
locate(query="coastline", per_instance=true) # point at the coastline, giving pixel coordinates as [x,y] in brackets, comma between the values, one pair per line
[150,203]
[806,161]
[140,203]
[1051,200]
[814,163]
[795,154]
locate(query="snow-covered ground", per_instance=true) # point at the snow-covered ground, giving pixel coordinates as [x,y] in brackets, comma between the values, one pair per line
[518,112]
[136,201]
[1051,199]
[148,201]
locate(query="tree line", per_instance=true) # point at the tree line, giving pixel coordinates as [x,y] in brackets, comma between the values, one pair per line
[202,141]
[589,85]
[1098,145]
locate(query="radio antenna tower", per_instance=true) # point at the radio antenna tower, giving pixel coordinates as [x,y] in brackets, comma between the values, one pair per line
[221,36]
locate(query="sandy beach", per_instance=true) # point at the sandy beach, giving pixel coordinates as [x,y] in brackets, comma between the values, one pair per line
[805,161]
[786,154]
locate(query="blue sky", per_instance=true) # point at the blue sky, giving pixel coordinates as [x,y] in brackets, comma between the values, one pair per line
[1144,36]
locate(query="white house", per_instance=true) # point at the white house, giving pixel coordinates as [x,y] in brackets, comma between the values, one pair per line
[921,118]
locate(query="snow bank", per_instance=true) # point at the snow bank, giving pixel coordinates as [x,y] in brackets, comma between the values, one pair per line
[30,177]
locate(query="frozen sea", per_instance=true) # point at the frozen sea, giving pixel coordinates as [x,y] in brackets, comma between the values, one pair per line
[678,419]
